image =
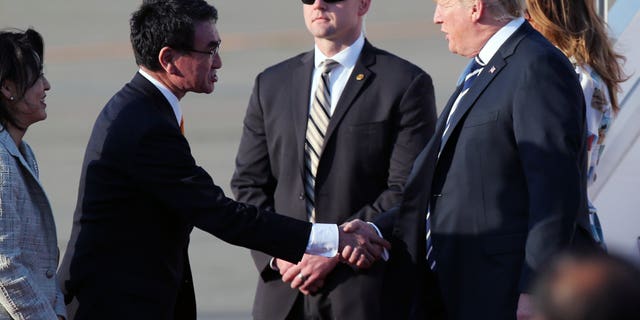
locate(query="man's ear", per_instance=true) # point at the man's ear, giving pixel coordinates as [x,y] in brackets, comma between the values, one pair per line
[363,7]
[167,58]
[477,9]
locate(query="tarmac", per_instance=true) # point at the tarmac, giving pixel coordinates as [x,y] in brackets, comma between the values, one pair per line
[88,58]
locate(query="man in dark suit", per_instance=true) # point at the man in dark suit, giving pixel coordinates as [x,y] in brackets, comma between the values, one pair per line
[499,188]
[141,192]
[379,113]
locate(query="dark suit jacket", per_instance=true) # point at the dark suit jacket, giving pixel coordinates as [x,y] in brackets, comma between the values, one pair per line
[508,185]
[385,116]
[141,193]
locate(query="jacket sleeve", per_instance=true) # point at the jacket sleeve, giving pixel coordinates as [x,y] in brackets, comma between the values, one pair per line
[549,133]
[164,168]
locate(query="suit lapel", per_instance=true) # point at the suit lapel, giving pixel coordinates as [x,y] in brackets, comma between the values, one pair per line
[359,77]
[442,120]
[490,71]
[300,84]
[302,89]
[27,160]
[140,83]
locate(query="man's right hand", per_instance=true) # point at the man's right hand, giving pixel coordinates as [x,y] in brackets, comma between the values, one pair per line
[359,244]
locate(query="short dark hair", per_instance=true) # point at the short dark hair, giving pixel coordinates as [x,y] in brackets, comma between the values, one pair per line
[166,23]
[21,56]
[588,286]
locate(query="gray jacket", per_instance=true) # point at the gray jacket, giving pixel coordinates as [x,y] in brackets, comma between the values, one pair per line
[28,245]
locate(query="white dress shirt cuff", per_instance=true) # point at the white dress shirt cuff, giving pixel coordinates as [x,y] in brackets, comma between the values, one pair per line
[385,252]
[273,265]
[323,240]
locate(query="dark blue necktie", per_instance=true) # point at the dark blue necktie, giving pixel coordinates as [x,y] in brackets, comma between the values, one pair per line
[473,70]
[431,261]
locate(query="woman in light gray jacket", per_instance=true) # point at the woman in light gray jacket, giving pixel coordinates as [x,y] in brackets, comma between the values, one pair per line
[28,245]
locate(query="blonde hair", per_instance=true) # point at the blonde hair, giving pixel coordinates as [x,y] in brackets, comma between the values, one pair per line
[501,10]
[575,28]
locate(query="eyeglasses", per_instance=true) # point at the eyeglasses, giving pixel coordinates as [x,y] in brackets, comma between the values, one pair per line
[327,1]
[212,52]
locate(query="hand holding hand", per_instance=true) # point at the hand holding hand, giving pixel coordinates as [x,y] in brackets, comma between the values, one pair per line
[293,275]
[359,244]
[315,269]
[309,274]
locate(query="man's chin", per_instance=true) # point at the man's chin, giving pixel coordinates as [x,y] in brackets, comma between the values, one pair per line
[206,90]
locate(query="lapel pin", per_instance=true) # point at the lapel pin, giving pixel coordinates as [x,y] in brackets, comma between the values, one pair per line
[493,69]
[360,76]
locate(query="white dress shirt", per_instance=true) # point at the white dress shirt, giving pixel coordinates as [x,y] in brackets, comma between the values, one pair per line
[339,76]
[498,39]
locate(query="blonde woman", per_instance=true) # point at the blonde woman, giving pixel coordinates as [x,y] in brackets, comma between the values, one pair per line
[575,28]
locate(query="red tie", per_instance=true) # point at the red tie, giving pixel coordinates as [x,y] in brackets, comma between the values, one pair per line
[182,125]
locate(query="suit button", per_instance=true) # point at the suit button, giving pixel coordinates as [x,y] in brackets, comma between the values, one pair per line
[437,195]
[49,274]
[301,196]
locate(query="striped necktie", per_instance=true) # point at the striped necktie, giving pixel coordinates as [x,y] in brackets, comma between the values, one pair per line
[182,125]
[317,124]
[474,69]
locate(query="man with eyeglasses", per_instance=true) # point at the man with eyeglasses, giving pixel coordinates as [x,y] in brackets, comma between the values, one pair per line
[141,192]
[330,136]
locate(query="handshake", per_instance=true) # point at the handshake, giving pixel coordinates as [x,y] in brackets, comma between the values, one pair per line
[359,244]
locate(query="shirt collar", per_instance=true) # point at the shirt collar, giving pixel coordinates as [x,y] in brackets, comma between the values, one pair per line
[498,39]
[347,57]
[171,98]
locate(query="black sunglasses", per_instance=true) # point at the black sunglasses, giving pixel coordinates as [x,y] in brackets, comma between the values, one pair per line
[327,1]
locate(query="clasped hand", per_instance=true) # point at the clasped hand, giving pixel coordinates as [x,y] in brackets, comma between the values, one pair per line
[360,246]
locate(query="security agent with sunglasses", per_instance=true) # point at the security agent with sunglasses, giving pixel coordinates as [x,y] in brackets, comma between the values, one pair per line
[141,192]
[332,141]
